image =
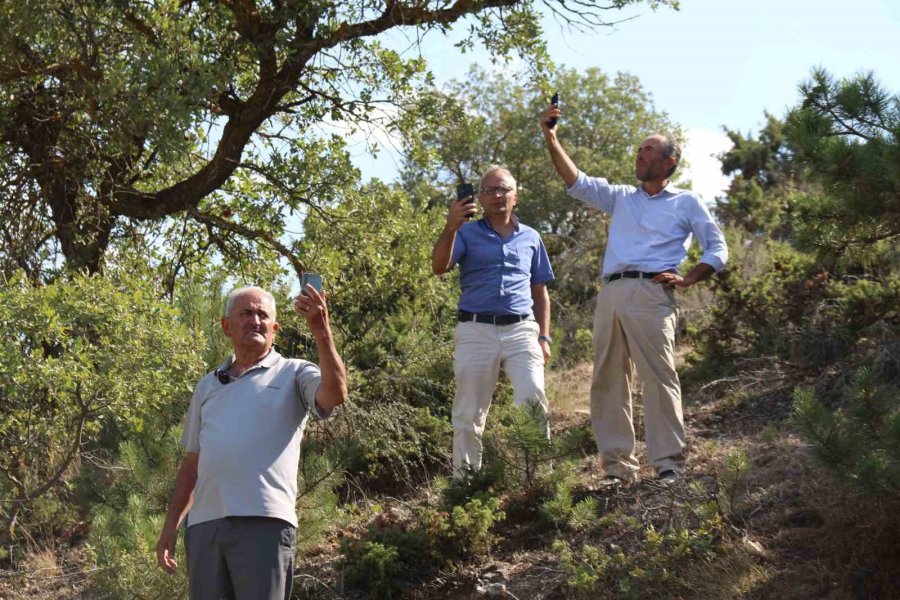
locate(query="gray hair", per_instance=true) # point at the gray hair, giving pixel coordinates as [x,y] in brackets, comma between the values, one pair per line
[670,149]
[497,169]
[237,292]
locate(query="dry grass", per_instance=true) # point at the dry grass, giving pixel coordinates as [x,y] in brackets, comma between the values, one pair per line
[567,391]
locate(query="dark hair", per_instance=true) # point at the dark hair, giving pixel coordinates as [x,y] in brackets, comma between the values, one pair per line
[670,149]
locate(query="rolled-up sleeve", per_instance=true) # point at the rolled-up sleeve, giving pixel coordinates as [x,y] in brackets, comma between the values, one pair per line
[594,191]
[712,242]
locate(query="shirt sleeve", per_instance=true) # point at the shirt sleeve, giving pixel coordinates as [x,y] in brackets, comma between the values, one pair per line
[594,191]
[459,247]
[712,242]
[541,270]
[190,437]
[307,378]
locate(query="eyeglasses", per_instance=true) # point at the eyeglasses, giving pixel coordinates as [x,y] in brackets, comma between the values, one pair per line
[501,189]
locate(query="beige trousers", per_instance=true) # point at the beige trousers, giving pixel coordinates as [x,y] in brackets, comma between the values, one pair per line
[634,326]
[481,350]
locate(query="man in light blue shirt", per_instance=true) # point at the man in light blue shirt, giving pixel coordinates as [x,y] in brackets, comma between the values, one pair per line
[634,323]
[504,310]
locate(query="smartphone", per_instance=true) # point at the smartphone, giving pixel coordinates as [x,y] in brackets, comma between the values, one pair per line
[314,279]
[466,190]
[555,102]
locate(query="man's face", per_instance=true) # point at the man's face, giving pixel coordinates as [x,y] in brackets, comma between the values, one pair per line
[251,325]
[650,165]
[498,194]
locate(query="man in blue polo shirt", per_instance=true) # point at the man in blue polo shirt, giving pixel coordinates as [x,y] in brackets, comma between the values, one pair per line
[634,324]
[504,310]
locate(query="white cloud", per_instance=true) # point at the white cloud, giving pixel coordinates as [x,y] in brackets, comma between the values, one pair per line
[373,148]
[705,170]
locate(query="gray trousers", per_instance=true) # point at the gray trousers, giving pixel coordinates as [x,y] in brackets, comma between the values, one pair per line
[240,558]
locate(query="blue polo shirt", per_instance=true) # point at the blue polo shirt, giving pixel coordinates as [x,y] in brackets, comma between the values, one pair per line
[496,275]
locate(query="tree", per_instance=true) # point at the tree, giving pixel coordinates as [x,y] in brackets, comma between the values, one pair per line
[117,116]
[393,321]
[765,176]
[82,360]
[847,133]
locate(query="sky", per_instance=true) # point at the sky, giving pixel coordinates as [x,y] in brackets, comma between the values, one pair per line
[713,63]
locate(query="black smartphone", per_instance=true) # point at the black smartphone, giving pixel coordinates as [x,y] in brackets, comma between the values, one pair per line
[313,279]
[555,102]
[466,190]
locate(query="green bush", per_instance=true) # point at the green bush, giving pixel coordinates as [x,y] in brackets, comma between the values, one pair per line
[394,552]
[374,566]
[85,364]
[559,509]
[123,544]
[516,445]
[464,532]
[393,445]
[653,568]
[861,439]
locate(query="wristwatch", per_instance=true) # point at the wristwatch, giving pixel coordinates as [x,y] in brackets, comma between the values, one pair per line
[545,338]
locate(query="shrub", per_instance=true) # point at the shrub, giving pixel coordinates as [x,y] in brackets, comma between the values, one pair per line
[464,532]
[85,363]
[393,552]
[124,547]
[393,445]
[559,508]
[861,439]
[732,480]
[374,566]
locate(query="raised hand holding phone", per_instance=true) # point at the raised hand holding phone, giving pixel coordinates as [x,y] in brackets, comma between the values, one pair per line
[312,305]
[313,279]
[466,191]
[552,121]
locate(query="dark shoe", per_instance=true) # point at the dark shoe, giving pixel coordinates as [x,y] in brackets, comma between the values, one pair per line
[668,477]
[611,481]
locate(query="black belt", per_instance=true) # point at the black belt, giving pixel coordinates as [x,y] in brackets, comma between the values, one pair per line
[633,275]
[465,316]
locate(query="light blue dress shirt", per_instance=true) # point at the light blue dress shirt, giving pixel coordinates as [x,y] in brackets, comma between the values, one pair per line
[651,233]
[496,274]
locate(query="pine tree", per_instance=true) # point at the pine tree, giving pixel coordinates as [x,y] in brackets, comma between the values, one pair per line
[848,133]
[861,440]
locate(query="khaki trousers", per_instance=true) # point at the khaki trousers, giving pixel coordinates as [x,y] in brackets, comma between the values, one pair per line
[634,326]
[481,350]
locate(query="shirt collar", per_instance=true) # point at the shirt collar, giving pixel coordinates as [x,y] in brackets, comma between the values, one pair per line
[669,189]
[514,219]
[267,361]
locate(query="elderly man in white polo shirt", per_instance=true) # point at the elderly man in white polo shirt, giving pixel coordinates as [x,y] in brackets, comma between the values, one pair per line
[634,323]
[242,435]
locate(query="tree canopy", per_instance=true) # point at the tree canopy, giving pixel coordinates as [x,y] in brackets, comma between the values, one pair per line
[116,117]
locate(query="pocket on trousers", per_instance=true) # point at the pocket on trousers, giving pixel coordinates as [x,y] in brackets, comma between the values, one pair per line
[288,537]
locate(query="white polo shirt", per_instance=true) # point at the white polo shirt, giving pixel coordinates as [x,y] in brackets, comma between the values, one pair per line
[248,434]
